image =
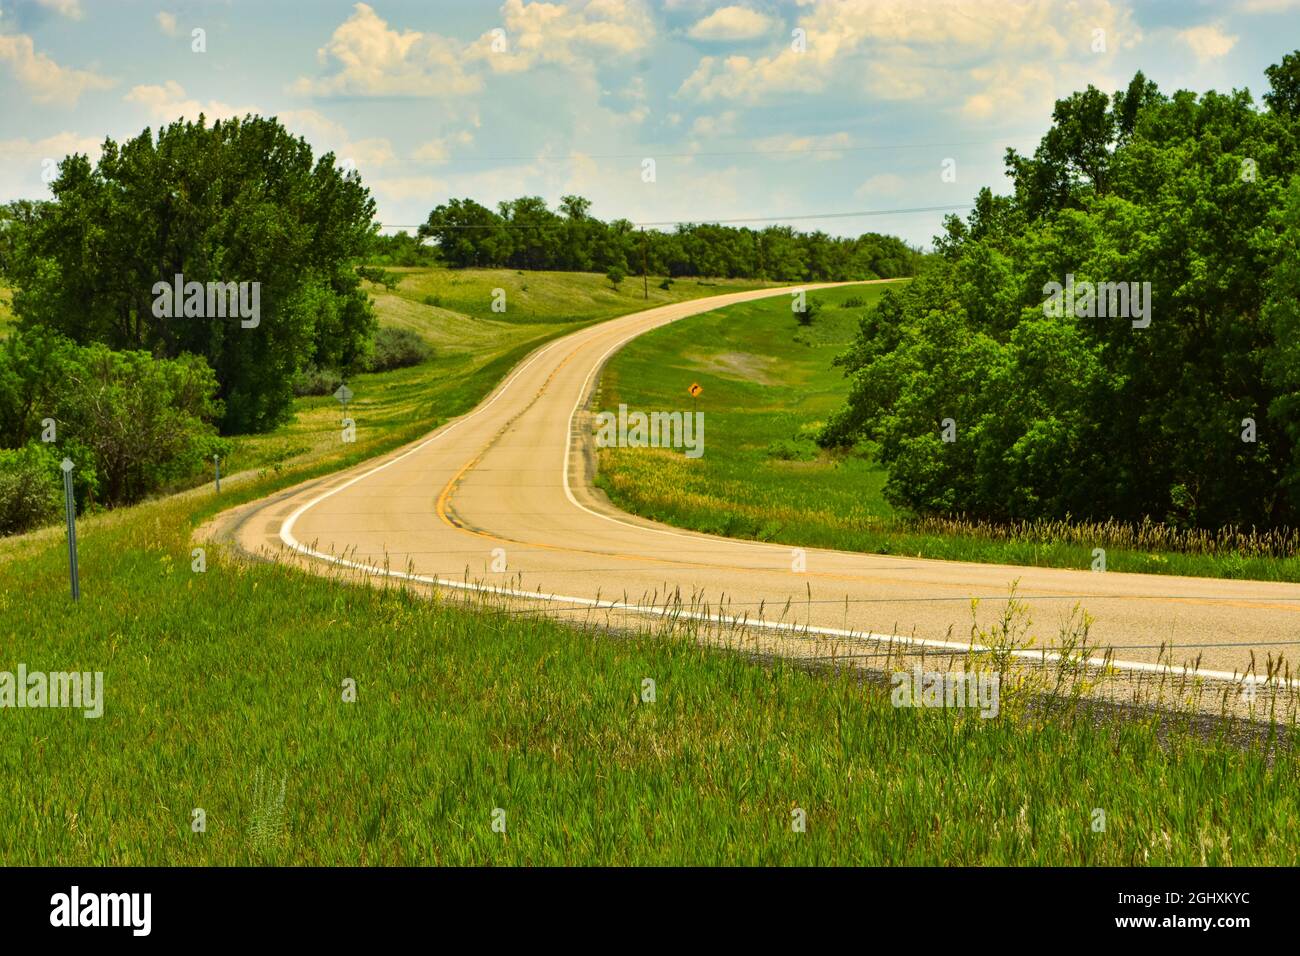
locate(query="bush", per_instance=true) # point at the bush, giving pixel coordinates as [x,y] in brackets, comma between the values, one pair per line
[316,381]
[433,300]
[806,317]
[31,491]
[792,449]
[853,302]
[131,423]
[397,348]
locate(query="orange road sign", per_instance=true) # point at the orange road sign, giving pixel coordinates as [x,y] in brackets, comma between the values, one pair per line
[695,389]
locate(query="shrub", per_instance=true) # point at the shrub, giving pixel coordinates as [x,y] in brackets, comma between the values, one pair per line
[131,423]
[316,381]
[397,348]
[792,449]
[31,493]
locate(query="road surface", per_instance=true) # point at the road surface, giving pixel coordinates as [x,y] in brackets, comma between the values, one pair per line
[508,486]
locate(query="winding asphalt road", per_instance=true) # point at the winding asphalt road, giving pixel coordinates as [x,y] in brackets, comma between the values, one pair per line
[514,475]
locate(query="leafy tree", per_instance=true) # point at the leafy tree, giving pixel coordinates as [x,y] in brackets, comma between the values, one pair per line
[1061,412]
[1284,80]
[237,201]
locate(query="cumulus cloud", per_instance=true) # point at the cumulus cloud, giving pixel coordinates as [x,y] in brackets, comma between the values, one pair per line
[370,58]
[925,49]
[881,186]
[576,36]
[439,148]
[734,23]
[42,77]
[1208,41]
[167,102]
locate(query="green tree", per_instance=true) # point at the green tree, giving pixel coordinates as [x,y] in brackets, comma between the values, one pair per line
[237,201]
[1074,411]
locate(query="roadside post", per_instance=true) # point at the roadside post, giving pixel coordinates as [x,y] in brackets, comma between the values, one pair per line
[70,507]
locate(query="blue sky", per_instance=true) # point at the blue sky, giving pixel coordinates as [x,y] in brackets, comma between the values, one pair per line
[429,102]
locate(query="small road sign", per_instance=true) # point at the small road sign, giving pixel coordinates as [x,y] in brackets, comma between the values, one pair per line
[695,390]
[343,394]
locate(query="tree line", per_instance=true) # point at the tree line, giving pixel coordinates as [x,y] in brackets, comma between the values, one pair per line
[986,398]
[525,233]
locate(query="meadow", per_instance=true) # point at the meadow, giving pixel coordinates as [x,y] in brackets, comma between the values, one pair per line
[225,692]
[769,385]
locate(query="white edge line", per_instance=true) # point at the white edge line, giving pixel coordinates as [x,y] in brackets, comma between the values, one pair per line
[287,537]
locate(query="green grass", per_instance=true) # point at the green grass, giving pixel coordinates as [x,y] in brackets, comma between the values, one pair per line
[219,685]
[768,387]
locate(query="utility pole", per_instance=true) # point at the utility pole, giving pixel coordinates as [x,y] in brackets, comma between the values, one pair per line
[645,276]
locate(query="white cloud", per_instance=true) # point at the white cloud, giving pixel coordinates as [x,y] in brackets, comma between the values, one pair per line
[168,102]
[926,49]
[1002,89]
[42,77]
[734,23]
[372,59]
[1208,41]
[439,149]
[577,36]
[881,186]
[64,8]
[723,124]
[167,23]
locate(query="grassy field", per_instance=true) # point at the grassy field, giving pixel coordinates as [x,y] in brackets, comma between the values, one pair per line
[768,387]
[224,691]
